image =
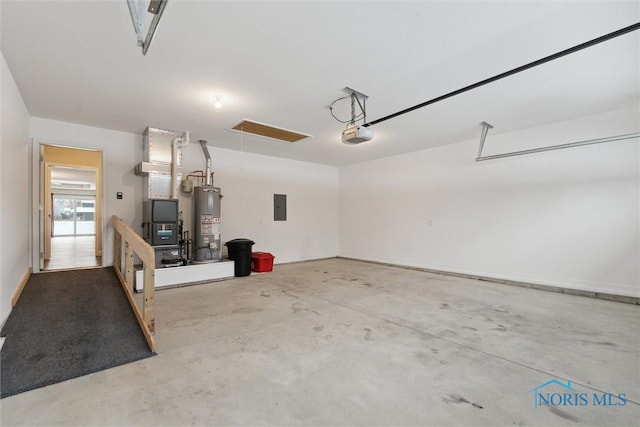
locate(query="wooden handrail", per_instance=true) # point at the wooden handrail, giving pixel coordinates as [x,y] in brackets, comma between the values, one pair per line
[133,243]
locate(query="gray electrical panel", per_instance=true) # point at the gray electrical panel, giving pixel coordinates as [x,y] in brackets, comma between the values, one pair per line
[279,207]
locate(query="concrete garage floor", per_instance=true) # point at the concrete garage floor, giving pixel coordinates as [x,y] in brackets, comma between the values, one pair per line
[338,342]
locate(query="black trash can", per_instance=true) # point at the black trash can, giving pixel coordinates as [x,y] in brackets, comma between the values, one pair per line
[240,252]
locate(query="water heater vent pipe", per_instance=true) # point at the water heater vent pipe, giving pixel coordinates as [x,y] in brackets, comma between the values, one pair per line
[205,150]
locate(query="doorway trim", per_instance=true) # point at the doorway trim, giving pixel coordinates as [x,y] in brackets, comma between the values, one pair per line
[45,156]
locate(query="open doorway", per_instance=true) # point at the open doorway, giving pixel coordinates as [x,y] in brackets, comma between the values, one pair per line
[72,220]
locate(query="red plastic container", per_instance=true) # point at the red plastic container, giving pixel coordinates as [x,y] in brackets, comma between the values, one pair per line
[261,262]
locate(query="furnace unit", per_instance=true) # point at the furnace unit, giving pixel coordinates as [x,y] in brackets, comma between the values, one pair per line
[160,228]
[161,169]
[160,222]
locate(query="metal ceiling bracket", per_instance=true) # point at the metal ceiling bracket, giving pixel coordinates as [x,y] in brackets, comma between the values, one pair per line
[136,7]
[356,93]
[137,18]
[483,136]
[157,8]
[361,99]
[560,146]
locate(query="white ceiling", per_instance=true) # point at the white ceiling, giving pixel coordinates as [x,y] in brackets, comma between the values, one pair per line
[283,63]
[65,177]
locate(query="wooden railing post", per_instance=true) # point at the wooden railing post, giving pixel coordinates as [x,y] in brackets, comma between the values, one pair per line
[148,291]
[128,264]
[133,243]
[117,248]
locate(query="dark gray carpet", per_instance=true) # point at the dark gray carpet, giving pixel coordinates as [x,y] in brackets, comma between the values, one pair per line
[68,324]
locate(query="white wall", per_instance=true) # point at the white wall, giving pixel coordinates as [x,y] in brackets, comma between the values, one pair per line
[121,151]
[566,218]
[248,182]
[14,189]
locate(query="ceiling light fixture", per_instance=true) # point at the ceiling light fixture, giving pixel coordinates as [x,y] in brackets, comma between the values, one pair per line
[217,101]
[156,7]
